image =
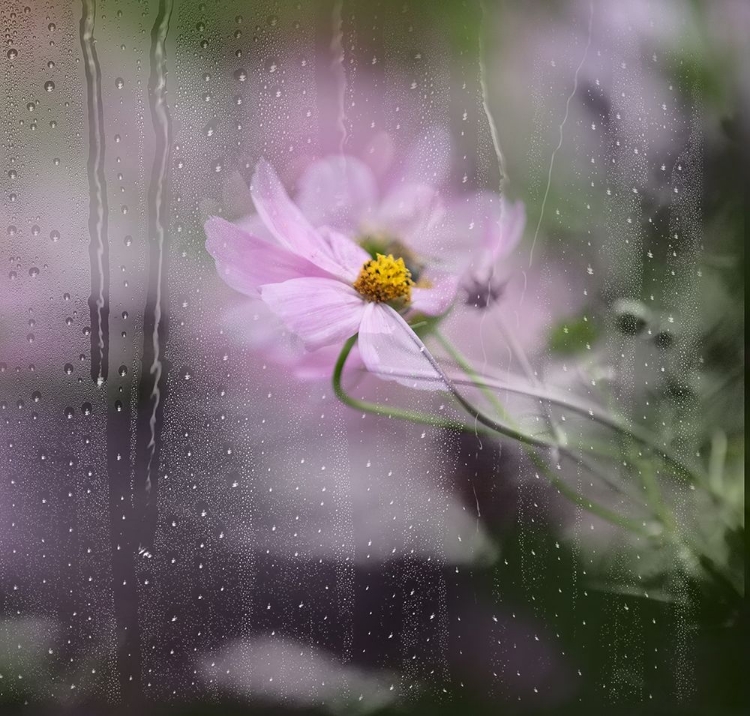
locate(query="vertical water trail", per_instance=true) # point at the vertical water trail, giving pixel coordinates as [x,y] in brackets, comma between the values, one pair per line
[486,102]
[560,129]
[339,72]
[155,325]
[125,607]
[98,209]
[498,155]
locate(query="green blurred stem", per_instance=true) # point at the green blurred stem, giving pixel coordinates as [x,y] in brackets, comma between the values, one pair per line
[486,385]
[387,411]
[489,425]
[717,571]
[561,485]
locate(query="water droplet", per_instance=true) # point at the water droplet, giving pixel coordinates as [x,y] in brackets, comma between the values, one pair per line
[36,396]
[52,27]
[54,235]
[68,368]
[119,82]
[86,408]
[12,53]
[33,272]
[123,371]
[240,75]
[631,317]
[69,413]
[49,85]
[35,230]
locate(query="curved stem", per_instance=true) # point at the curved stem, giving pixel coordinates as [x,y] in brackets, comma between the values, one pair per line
[519,353]
[604,419]
[561,485]
[411,416]
[494,428]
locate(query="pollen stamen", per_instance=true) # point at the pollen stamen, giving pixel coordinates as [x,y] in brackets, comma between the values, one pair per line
[384,279]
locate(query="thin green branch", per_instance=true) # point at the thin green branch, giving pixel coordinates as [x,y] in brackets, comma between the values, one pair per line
[488,423]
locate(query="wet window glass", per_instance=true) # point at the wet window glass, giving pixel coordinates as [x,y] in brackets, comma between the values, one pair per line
[372,357]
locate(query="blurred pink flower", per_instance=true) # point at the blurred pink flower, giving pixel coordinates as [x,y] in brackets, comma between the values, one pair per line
[444,238]
[326,287]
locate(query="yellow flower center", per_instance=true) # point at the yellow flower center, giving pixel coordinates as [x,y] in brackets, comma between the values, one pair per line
[384,278]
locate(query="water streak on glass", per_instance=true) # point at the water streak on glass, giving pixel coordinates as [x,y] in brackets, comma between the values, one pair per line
[98,209]
[153,378]
[338,71]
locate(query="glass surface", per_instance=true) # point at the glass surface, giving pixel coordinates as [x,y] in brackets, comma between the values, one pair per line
[524,495]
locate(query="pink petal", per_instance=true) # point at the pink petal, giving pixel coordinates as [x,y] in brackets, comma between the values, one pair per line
[349,254]
[286,222]
[320,311]
[318,365]
[477,229]
[437,299]
[254,224]
[337,191]
[408,212]
[246,262]
[391,349]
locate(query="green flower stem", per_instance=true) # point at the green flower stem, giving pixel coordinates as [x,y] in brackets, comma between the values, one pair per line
[518,352]
[561,485]
[411,416]
[629,431]
[488,426]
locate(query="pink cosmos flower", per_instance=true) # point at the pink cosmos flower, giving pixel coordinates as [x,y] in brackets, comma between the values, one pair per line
[326,287]
[412,203]
[400,212]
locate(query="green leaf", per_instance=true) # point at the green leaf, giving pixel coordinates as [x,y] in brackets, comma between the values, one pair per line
[572,335]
